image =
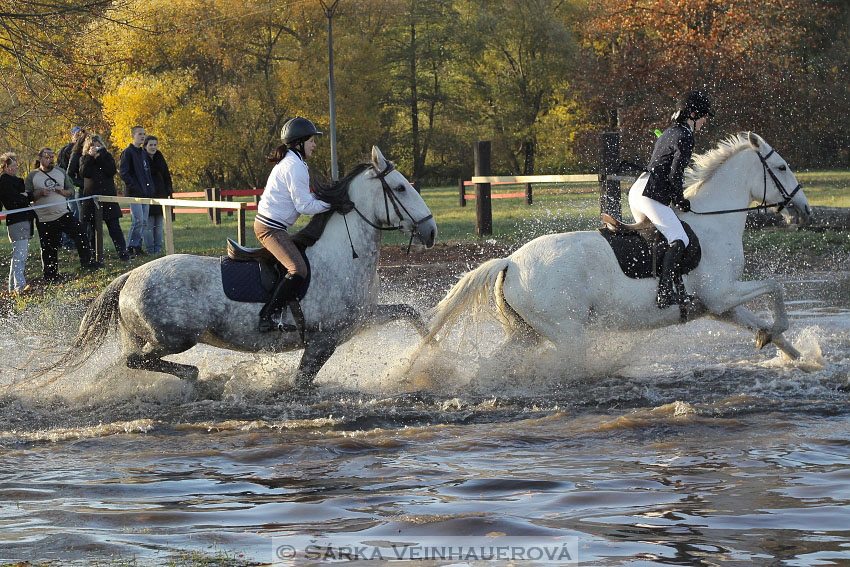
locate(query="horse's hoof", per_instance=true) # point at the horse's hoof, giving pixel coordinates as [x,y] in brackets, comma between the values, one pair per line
[305,386]
[190,374]
[763,338]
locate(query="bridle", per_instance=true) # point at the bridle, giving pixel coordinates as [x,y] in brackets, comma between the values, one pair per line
[398,207]
[787,196]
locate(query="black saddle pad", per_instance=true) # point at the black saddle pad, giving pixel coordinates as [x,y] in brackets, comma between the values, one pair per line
[635,253]
[253,282]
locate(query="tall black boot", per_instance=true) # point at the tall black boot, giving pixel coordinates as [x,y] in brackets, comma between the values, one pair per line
[285,290]
[671,289]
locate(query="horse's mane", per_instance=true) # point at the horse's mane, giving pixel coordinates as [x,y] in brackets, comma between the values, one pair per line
[335,194]
[706,165]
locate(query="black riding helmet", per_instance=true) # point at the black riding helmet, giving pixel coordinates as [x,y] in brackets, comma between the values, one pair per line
[297,130]
[695,103]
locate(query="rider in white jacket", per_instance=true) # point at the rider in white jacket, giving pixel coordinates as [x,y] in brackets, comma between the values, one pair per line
[286,197]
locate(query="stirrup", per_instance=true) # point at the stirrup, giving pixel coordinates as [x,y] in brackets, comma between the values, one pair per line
[269,324]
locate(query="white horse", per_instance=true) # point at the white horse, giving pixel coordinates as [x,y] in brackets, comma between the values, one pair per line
[169,305]
[556,286]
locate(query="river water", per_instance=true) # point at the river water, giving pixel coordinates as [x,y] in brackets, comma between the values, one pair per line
[682,447]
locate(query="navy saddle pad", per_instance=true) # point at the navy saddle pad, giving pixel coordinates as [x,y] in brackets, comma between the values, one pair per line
[635,253]
[253,282]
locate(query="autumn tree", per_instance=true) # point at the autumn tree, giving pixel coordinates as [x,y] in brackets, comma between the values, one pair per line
[748,54]
[37,55]
[517,53]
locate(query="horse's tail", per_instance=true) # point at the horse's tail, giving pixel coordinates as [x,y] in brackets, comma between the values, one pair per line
[474,291]
[100,318]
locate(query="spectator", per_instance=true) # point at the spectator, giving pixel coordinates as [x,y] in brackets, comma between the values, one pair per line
[74,163]
[136,173]
[97,169]
[49,185]
[13,195]
[63,160]
[162,189]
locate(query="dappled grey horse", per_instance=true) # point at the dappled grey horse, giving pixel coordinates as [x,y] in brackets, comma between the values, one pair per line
[169,305]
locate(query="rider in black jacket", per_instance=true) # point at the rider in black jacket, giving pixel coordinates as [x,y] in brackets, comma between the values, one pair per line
[662,185]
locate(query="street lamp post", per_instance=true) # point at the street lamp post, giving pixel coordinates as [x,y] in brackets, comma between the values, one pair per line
[329,12]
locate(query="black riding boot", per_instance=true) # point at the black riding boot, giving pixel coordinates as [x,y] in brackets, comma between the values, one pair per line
[286,290]
[671,289]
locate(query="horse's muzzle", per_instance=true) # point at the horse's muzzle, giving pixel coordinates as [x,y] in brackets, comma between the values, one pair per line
[797,215]
[426,233]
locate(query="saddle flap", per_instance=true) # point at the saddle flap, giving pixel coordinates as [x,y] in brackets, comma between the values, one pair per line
[239,253]
[640,257]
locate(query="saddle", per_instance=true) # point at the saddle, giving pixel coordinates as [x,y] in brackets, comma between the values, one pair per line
[251,274]
[640,247]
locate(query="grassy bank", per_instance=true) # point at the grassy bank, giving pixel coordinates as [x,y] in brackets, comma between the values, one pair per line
[555,209]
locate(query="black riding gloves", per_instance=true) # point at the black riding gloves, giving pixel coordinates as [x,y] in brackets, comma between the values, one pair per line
[342,208]
[684,205]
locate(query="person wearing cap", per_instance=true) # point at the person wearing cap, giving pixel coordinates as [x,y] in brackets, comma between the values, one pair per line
[286,197]
[63,160]
[662,185]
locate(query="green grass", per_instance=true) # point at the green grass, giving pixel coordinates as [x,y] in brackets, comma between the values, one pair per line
[555,209]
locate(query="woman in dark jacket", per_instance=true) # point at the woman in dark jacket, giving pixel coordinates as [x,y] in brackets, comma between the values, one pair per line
[13,195]
[97,170]
[162,189]
[662,185]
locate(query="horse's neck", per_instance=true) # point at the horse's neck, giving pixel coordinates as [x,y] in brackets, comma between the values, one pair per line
[729,188]
[331,255]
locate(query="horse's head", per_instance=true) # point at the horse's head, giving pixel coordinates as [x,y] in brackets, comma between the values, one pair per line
[780,184]
[391,201]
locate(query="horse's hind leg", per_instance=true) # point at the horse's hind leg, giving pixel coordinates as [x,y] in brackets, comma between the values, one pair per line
[143,355]
[391,312]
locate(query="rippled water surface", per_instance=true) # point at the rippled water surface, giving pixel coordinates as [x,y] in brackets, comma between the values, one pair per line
[684,446]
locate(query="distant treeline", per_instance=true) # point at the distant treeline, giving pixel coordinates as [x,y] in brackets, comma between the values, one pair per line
[423,79]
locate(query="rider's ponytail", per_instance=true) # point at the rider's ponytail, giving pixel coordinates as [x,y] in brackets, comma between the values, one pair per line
[275,157]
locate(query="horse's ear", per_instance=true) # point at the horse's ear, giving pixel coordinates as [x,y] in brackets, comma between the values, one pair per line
[754,139]
[379,162]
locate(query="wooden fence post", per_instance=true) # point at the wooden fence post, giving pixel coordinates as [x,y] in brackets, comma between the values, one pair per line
[168,228]
[229,199]
[609,196]
[528,198]
[461,191]
[240,224]
[98,232]
[483,204]
[214,194]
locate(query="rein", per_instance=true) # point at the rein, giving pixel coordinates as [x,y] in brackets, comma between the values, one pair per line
[763,206]
[398,207]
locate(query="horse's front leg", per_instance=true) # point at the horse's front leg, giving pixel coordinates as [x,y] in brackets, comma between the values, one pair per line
[386,313]
[742,292]
[320,347]
[743,317]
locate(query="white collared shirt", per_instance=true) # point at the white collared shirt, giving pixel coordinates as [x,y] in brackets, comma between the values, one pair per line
[287,195]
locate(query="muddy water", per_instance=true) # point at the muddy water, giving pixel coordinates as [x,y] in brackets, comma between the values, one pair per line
[690,448]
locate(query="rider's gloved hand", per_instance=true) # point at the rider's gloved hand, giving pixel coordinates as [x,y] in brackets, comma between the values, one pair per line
[342,208]
[684,205]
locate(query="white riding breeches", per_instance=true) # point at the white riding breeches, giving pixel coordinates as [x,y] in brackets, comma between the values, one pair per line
[662,216]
